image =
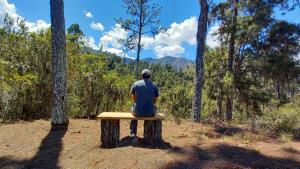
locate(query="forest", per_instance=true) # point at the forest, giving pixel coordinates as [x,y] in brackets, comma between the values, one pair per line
[264,76]
[251,79]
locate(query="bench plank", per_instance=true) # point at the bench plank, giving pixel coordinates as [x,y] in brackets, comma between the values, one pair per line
[127,115]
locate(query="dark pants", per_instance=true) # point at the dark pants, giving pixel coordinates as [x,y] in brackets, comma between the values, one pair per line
[133,126]
[134,123]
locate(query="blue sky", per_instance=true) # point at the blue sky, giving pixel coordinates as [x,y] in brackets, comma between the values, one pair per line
[179,16]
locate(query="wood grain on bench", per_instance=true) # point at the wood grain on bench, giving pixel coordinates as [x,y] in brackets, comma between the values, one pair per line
[127,115]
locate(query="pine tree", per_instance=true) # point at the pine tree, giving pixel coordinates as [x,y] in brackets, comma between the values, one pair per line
[201,36]
[59,64]
[144,20]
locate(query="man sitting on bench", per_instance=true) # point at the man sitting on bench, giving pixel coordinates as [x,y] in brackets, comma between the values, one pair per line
[144,94]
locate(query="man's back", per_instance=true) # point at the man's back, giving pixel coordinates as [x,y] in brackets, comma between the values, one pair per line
[144,91]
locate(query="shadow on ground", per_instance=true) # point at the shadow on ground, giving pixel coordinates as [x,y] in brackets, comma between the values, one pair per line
[47,155]
[296,134]
[291,150]
[227,156]
[143,143]
[228,131]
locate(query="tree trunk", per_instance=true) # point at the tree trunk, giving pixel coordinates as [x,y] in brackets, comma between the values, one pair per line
[137,73]
[232,37]
[220,96]
[198,81]
[229,102]
[110,133]
[277,89]
[137,70]
[283,89]
[59,63]
[219,105]
[152,131]
[228,109]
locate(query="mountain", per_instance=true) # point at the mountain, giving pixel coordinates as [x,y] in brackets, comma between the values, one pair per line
[86,49]
[176,62]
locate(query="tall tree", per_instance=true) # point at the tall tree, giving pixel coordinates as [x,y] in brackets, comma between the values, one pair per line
[144,20]
[243,26]
[201,36]
[76,32]
[59,63]
[231,52]
[279,51]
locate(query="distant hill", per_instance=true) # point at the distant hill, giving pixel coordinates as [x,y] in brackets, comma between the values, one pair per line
[89,50]
[175,62]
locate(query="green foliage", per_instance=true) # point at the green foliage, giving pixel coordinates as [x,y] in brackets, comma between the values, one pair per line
[95,88]
[176,89]
[143,20]
[264,79]
[284,119]
[75,33]
[96,82]
[25,73]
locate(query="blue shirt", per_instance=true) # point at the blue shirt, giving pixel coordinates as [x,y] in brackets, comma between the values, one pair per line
[145,91]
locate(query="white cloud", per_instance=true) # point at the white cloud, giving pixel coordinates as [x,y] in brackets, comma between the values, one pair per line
[111,38]
[110,41]
[167,43]
[118,52]
[173,50]
[298,57]
[211,39]
[177,34]
[88,14]
[10,9]
[38,26]
[148,42]
[6,8]
[89,41]
[97,26]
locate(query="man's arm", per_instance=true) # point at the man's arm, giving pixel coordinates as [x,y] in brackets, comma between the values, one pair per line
[132,92]
[156,94]
[133,98]
[155,100]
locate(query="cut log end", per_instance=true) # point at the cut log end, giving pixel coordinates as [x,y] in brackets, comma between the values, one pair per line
[110,133]
[153,132]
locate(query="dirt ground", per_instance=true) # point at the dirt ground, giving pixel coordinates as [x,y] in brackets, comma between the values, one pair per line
[34,145]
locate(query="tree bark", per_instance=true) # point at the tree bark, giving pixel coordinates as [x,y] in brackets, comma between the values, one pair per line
[110,133]
[152,131]
[277,89]
[198,81]
[220,97]
[59,63]
[137,73]
[232,37]
[229,102]
[228,109]
[219,105]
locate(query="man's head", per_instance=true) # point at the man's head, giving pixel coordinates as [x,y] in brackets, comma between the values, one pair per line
[146,74]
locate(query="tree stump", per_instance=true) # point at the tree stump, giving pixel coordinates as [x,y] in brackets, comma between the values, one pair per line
[110,133]
[152,132]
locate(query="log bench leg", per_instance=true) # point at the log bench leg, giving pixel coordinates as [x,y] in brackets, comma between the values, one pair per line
[110,133]
[152,131]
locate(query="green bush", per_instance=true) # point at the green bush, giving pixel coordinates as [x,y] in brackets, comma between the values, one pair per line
[285,119]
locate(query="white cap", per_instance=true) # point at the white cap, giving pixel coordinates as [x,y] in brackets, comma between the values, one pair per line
[146,71]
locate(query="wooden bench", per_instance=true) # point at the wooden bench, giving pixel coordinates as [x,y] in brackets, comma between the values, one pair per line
[110,127]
